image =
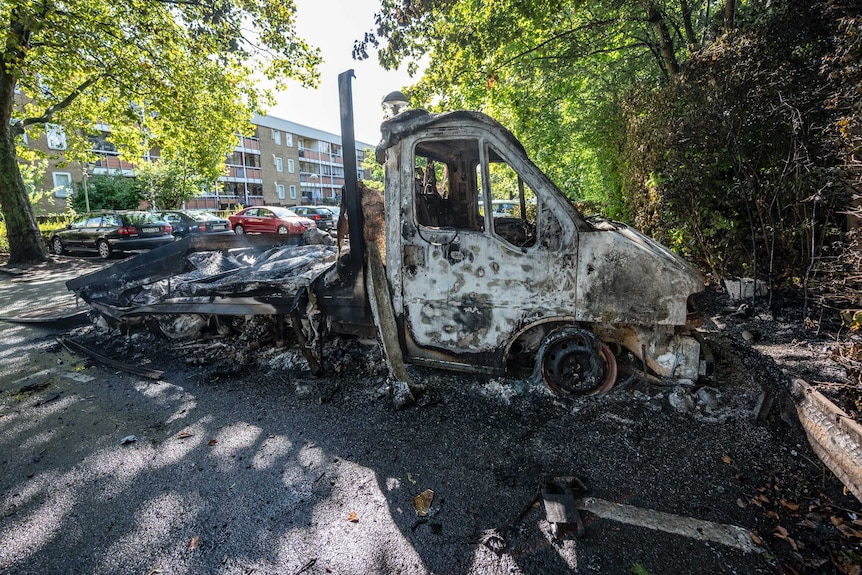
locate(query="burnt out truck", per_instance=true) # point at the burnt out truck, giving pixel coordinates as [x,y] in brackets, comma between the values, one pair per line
[441,280]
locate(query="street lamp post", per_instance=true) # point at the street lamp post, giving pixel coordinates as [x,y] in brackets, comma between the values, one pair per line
[395,101]
[315,177]
[86,170]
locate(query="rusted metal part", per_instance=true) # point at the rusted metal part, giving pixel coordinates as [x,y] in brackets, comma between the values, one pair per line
[558,497]
[384,317]
[78,347]
[307,348]
[574,362]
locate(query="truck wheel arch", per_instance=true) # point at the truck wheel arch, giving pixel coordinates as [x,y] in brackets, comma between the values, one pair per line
[534,339]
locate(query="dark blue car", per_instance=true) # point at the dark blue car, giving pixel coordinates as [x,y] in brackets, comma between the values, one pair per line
[189,222]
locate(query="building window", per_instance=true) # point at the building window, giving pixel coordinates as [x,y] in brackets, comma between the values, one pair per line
[279,165]
[288,140]
[291,168]
[292,192]
[56,137]
[62,184]
[276,137]
[280,189]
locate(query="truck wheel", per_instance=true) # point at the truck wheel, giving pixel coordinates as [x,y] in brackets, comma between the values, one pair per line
[57,245]
[104,249]
[282,230]
[239,230]
[574,362]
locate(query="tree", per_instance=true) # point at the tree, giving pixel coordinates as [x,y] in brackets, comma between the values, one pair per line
[699,121]
[373,171]
[553,71]
[169,183]
[177,74]
[105,192]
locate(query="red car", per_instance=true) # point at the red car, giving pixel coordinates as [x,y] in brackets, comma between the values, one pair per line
[269,220]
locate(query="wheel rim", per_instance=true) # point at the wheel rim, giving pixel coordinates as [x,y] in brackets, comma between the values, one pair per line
[239,229]
[282,229]
[58,246]
[104,250]
[576,363]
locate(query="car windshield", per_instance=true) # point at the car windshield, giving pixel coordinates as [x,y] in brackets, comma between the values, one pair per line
[284,213]
[138,218]
[202,216]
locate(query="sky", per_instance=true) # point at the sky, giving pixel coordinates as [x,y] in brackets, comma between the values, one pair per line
[332,26]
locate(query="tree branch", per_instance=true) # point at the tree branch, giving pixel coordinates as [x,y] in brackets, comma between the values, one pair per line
[555,38]
[54,108]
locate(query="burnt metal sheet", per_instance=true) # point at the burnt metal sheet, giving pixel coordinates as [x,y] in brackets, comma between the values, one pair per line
[237,278]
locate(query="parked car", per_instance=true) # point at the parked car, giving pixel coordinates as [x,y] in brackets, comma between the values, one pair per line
[112,231]
[188,222]
[269,220]
[323,216]
[502,208]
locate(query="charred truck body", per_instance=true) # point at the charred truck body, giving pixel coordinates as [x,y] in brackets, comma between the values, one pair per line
[463,288]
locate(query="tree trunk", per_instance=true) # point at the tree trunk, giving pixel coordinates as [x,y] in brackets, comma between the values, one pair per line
[729,15]
[25,241]
[665,42]
[686,20]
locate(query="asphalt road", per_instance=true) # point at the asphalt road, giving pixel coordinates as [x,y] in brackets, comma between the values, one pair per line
[265,469]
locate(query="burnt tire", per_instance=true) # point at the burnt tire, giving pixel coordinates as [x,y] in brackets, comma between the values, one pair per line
[57,246]
[104,249]
[573,362]
[239,230]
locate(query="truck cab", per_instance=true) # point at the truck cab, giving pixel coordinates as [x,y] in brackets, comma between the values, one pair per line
[544,289]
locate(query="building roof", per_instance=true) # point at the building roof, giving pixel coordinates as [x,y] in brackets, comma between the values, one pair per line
[304,131]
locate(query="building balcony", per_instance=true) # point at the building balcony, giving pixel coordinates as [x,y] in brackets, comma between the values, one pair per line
[250,145]
[235,173]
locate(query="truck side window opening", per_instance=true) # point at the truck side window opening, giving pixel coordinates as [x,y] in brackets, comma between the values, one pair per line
[507,187]
[444,184]
[449,194]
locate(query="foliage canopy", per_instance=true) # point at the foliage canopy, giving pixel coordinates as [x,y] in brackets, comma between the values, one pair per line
[716,125]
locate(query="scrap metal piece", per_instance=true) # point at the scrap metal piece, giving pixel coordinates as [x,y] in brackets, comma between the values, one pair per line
[76,346]
[384,315]
[698,529]
[60,314]
[560,508]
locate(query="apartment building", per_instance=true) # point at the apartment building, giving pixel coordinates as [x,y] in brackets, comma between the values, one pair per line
[282,163]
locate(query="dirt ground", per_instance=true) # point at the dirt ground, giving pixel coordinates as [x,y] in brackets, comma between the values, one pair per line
[237,460]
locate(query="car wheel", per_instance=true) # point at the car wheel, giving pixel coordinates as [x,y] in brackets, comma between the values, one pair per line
[104,249]
[238,229]
[282,229]
[178,236]
[57,245]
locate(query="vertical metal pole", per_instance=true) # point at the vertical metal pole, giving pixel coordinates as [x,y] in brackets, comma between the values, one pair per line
[351,187]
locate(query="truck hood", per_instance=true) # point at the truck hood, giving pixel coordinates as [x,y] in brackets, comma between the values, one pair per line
[626,277]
